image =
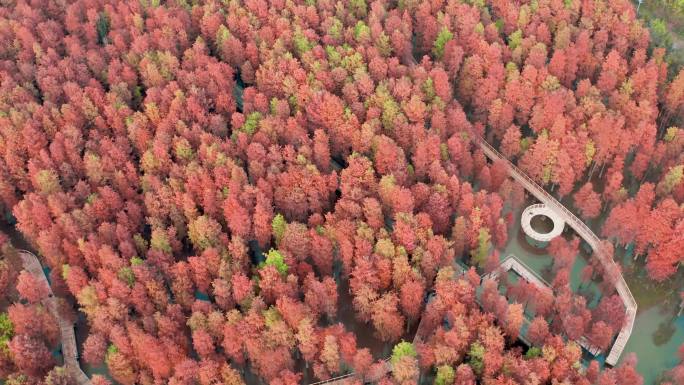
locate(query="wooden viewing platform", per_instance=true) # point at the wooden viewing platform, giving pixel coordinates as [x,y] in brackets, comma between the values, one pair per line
[541,209]
[585,233]
[66,328]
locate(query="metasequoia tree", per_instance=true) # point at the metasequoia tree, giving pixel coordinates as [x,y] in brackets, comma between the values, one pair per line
[226,171]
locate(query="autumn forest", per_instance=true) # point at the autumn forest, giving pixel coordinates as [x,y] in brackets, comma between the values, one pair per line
[282,192]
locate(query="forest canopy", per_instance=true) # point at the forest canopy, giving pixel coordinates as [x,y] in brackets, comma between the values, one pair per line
[224,189]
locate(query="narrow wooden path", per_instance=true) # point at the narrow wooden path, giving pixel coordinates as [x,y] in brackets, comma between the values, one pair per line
[585,233]
[66,328]
[513,263]
[351,377]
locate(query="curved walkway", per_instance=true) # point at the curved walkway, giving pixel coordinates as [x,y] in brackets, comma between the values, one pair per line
[585,233]
[66,328]
[580,228]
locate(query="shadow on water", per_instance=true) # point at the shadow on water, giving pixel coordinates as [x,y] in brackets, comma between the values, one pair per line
[7,223]
[82,329]
[665,331]
[541,224]
[365,332]
[658,330]
[659,333]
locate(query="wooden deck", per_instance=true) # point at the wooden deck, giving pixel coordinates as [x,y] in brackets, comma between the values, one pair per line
[585,233]
[66,328]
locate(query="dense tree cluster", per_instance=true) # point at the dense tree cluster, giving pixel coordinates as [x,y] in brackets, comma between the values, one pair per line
[461,339]
[28,331]
[204,177]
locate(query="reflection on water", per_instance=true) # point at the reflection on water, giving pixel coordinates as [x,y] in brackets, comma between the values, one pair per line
[664,332]
[541,224]
[658,331]
[365,333]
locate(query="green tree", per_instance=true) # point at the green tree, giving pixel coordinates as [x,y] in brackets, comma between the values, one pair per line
[442,38]
[402,349]
[48,181]
[6,331]
[160,241]
[515,39]
[278,225]
[476,357]
[17,379]
[361,31]
[672,178]
[126,274]
[251,123]
[301,43]
[660,34]
[358,7]
[484,244]
[275,259]
[445,375]
[204,232]
[533,352]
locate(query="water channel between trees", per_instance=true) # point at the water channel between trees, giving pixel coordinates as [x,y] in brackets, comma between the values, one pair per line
[658,329]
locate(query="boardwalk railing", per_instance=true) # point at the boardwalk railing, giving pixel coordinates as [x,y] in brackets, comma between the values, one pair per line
[511,262]
[585,233]
[66,328]
[369,378]
[334,380]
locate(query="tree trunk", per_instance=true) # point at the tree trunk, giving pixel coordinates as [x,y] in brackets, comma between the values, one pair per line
[603,167]
[643,178]
[591,170]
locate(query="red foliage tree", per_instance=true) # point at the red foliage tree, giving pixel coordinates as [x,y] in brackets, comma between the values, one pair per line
[601,335]
[587,201]
[514,320]
[31,288]
[94,349]
[538,331]
[30,354]
[411,298]
[388,321]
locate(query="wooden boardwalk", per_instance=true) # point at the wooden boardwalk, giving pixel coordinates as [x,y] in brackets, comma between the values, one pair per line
[66,328]
[513,263]
[351,377]
[585,233]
